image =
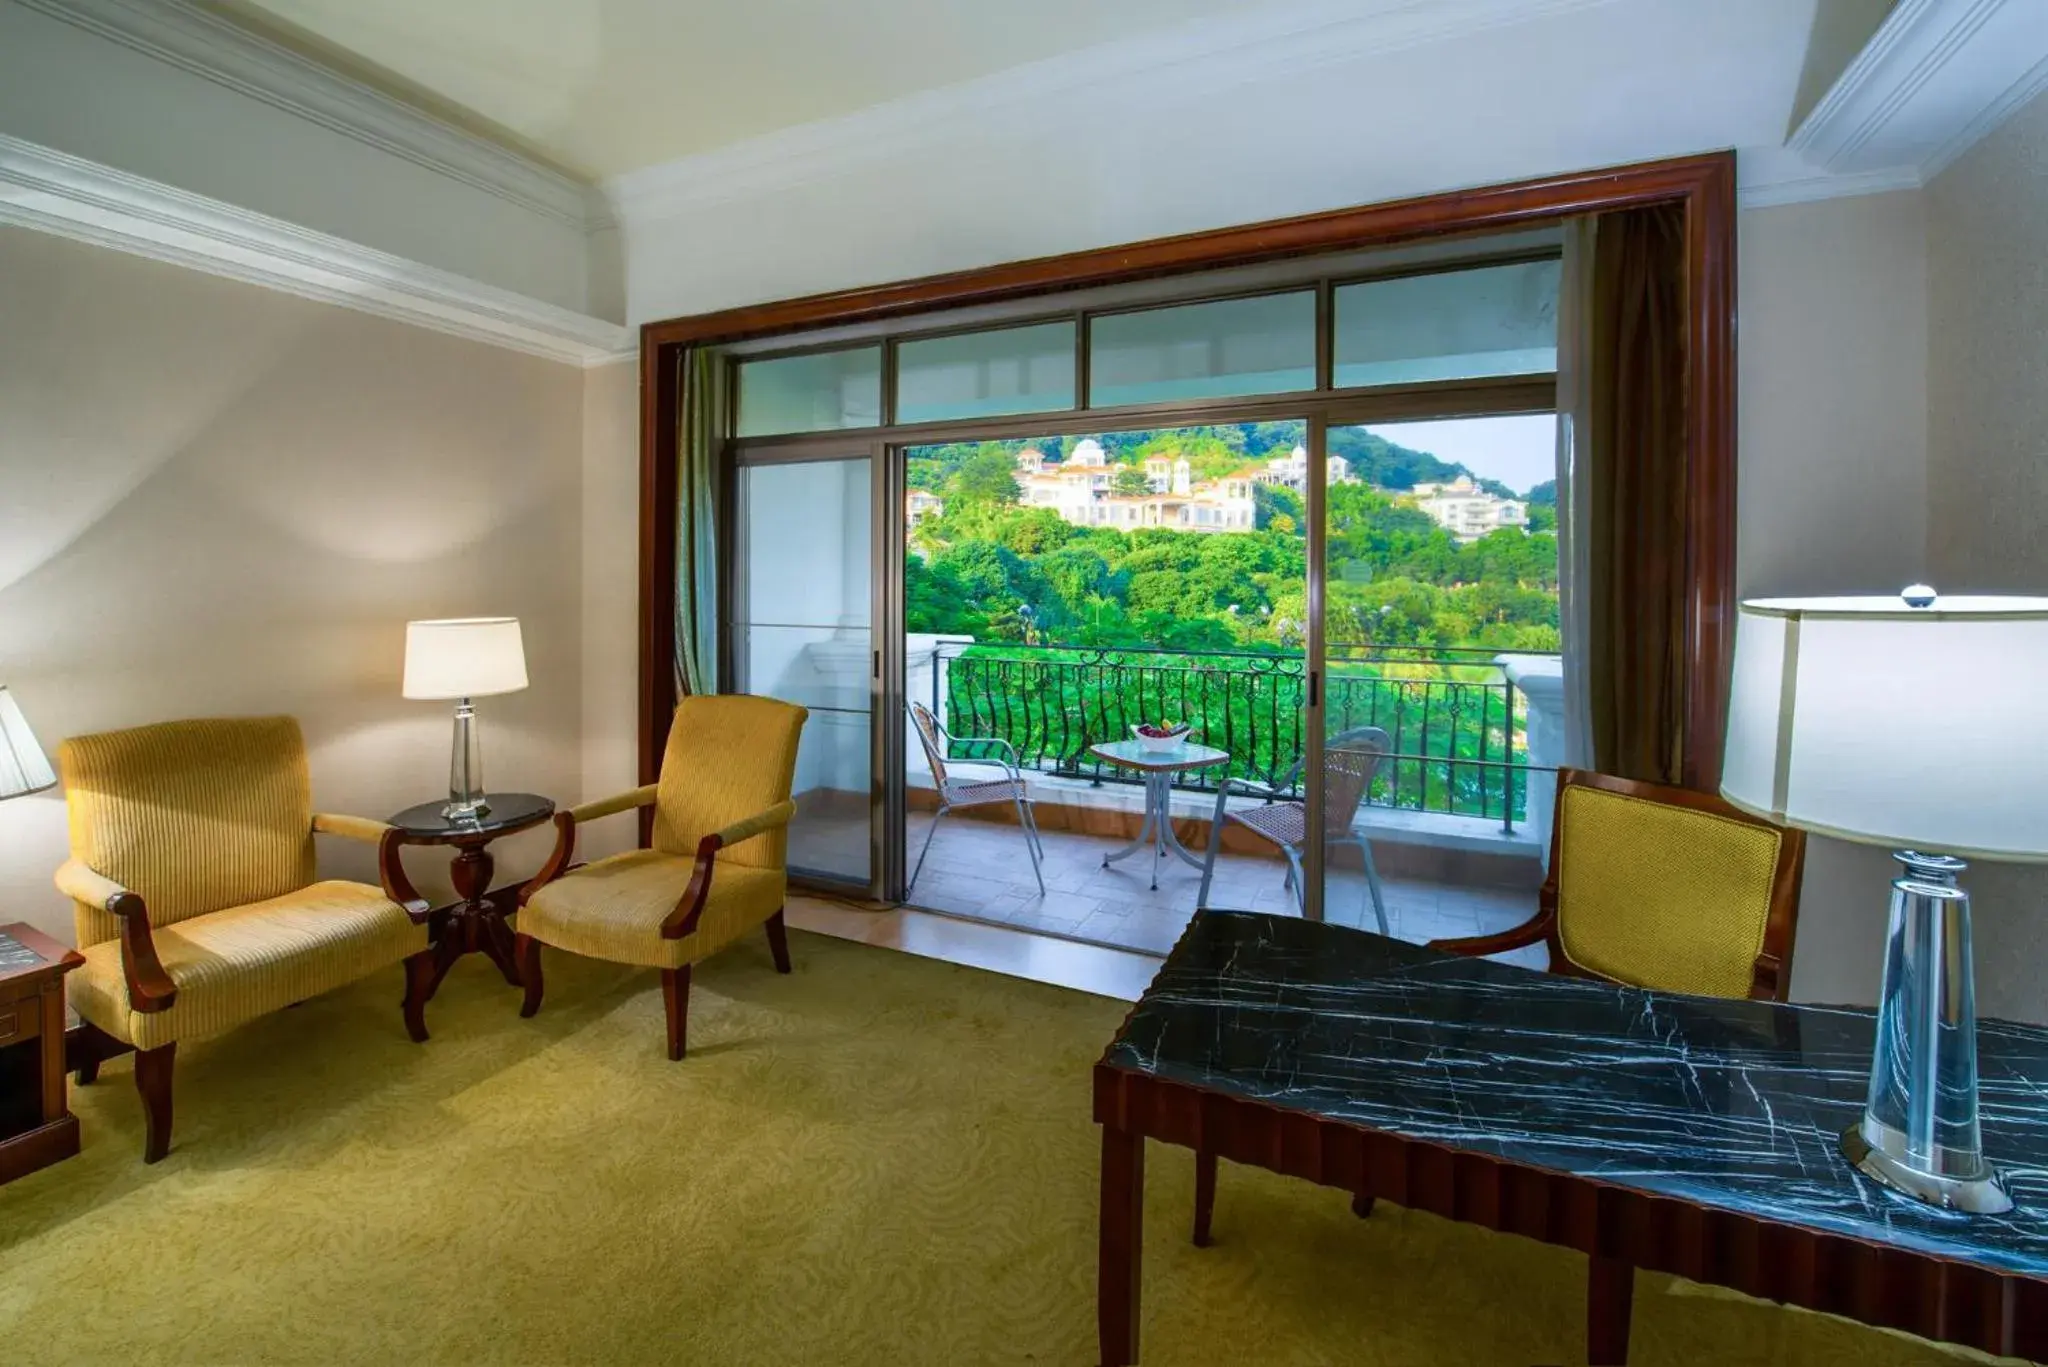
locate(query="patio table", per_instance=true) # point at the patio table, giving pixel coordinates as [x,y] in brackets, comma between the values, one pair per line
[1158,767]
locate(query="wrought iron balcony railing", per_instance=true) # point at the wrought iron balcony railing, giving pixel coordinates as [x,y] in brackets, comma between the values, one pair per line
[1457,725]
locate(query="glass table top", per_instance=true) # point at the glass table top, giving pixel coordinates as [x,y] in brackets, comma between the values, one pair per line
[504,812]
[1135,754]
[1730,1104]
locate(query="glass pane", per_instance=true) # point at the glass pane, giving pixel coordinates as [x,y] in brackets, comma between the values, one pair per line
[1061,592]
[1458,325]
[1197,351]
[801,633]
[1014,370]
[820,392]
[1442,696]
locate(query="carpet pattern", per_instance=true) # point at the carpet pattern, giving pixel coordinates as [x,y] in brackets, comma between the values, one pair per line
[878,1159]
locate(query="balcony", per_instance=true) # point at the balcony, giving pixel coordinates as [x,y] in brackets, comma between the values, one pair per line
[1458,815]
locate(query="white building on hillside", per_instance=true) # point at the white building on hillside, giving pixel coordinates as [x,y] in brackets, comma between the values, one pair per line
[1081,491]
[1467,511]
[1291,471]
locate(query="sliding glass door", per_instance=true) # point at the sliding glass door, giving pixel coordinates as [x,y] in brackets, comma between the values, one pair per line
[802,629]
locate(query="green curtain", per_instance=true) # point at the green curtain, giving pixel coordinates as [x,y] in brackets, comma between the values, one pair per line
[703,424]
[1636,495]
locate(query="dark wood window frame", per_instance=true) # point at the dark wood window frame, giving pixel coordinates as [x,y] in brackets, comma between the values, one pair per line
[1704,186]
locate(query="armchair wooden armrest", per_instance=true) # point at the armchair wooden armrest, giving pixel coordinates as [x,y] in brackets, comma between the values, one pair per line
[1535,930]
[390,869]
[149,987]
[690,906]
[565,833]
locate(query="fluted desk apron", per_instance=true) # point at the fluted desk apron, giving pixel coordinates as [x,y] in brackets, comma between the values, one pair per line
[1688,1135]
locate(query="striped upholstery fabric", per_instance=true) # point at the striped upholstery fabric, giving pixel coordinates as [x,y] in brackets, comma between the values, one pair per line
[728,758]
[234,965]
[1662,896]
[211,823]
[613,908]
[192,815]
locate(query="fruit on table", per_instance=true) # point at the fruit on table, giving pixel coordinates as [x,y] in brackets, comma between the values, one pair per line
[1152,732]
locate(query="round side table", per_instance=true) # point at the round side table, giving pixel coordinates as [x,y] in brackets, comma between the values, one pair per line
[474,923]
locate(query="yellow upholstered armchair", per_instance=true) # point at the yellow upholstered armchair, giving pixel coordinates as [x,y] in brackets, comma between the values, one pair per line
[721,818]
[192,871]
[1664,888]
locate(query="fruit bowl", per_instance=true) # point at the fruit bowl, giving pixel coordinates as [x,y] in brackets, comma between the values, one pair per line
[1152,737]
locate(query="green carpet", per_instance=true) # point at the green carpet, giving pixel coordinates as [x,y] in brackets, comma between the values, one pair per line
[879,1159]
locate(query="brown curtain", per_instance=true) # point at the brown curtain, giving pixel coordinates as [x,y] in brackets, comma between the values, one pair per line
[1636,495]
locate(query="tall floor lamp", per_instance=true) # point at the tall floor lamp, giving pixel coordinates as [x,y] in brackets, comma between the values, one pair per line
[1913,722]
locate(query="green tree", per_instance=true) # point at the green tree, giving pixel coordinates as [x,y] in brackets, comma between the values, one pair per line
[987,476]
[1129,481]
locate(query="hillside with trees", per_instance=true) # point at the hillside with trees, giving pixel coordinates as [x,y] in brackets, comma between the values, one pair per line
[999,572]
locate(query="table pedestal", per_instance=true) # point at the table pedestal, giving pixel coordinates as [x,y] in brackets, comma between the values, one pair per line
[1157,830]
[475,924]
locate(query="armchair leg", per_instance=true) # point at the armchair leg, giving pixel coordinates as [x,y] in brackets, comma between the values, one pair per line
[1205,1194]
[778,941]
[675,1001]
[153,1080]
[526,954]
[419,985]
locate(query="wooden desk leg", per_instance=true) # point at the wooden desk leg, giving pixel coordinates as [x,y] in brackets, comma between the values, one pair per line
[1205,1194]
[1610,1295]
[1123,1236]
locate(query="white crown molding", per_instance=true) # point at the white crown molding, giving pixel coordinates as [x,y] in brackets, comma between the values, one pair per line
[1277,44]
[56,193]
[1812,186]
[1937,76]
[205,45]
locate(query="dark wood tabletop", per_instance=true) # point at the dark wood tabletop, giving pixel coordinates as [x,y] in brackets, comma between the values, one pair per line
[1684,1134]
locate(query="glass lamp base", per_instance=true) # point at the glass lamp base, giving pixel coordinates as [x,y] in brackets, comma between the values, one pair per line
[1974,1195]
[1919,1133]
[466,767]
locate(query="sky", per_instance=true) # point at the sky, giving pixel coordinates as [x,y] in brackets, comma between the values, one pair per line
[1520,452]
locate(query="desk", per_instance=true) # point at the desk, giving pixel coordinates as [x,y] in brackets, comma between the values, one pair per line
[1682,1134]
[1159,766]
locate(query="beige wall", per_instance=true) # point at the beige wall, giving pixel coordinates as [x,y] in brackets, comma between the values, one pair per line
[611,597]
[217,499]
[1833,476]
[1987,508]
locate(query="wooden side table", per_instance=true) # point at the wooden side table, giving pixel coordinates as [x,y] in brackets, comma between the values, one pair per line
[36,1124]
[474,923]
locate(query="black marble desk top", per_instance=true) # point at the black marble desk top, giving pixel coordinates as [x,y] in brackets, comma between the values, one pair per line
[1736,1105]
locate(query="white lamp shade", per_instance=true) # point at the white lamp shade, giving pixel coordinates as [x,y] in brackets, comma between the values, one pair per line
[24,768]
[1878,722]
[464,657]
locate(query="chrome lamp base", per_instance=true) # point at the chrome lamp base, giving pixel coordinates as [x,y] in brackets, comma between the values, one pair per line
[1919,1133]
[466,767]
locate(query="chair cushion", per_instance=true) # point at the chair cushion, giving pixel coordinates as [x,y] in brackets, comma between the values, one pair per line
[235,965]
[1662,896]
[613,908]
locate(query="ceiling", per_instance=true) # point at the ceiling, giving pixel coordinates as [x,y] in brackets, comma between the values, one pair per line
[601,87]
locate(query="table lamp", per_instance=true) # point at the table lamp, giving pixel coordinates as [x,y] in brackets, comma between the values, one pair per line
[1913,722]
[464,658]
[24,768]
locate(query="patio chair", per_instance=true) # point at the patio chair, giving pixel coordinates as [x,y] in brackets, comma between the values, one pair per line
[1350,759]
[973,792]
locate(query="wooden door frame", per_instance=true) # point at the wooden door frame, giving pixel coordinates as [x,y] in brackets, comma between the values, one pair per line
[1704,186]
